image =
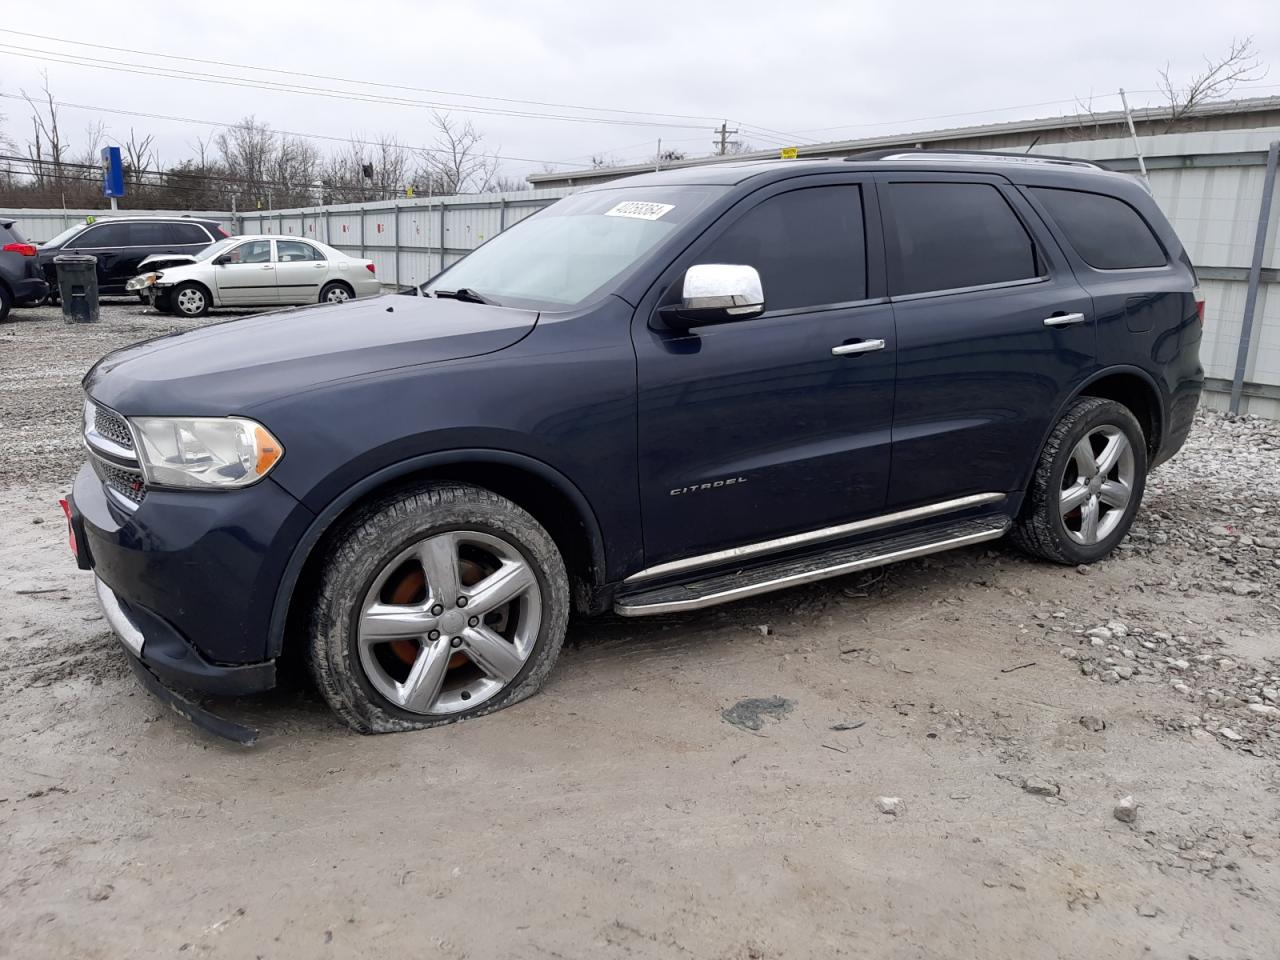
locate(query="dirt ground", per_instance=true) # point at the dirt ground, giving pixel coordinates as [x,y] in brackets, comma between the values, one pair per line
[1008,704]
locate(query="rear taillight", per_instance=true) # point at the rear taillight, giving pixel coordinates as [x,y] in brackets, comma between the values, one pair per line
[25,249]
[370,268]
[1199,298]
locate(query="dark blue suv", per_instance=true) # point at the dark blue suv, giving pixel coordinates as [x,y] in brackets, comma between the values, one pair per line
[658,395]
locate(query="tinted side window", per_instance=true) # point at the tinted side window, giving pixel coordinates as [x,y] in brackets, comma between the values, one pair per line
[808,245]
[952,235]
[148,235]
[1106,232]
[187,233]
[106,235]
[293,251]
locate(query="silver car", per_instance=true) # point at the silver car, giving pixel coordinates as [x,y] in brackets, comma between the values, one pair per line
[254,271]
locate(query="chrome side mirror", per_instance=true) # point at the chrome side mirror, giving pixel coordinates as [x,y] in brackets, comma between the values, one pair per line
[716,293]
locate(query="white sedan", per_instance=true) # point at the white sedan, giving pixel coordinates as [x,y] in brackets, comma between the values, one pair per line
[254,271]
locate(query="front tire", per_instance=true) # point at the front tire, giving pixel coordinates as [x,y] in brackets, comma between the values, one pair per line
[1087,485]
[436,605]
[190,300]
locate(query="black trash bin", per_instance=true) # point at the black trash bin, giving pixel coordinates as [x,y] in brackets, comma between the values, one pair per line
[78,287]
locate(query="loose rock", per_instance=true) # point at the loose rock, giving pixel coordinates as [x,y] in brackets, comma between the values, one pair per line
[1039,787]
[891,806]
[1126,811]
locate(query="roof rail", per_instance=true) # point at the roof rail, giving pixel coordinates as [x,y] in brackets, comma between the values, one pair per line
[993,156]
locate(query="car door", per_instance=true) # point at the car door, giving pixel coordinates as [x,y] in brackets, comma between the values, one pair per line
[110,244]
[993,330]
[301,270]
[248,275]
[764,427]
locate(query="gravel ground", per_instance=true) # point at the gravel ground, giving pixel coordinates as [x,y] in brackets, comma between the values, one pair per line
[970,755]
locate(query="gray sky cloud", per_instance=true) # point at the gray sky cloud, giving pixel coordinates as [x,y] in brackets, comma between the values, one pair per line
[790,72]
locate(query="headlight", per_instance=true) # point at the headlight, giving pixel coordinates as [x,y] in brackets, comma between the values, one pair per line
[142,280]
[204,452]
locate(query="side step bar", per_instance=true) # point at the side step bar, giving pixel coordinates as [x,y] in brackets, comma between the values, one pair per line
[739,584]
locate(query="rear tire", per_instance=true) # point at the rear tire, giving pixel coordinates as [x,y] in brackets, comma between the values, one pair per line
[6,302]
[1087,486]
[431,599]
[189,300]
[336,292]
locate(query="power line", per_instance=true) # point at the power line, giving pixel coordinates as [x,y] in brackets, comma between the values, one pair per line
[49,56]
[366,83]
[288,133]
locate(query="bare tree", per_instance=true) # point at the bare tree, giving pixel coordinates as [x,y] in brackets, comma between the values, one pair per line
[456,165]
[1218,79]
[246,151]
[139,157]
[46,148]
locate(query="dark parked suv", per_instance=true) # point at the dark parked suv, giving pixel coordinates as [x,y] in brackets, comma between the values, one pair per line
[20,279]
[657,395]
[120,244]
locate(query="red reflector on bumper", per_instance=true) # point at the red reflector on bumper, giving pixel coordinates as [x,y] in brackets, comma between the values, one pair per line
[71,530]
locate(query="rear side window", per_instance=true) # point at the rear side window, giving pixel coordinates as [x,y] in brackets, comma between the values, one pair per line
[808,245]
[1106,232]
[187,233]
[292,251]
[149,235]
[954,235]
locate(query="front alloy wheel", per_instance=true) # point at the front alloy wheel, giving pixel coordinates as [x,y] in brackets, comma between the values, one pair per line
[449,622]
[434,605]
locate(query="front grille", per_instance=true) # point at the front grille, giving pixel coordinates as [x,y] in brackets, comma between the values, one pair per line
[127,483]
[112,426]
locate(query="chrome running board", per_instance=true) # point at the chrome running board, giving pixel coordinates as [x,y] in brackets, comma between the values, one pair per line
[739,584]
[816,536]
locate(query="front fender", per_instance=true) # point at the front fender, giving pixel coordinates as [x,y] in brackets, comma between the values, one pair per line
[336,507]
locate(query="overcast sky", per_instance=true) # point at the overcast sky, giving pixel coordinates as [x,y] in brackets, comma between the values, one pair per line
[794,71]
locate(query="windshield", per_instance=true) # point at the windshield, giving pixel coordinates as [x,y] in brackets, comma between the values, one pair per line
[64,236]
[213,249]
[563,254]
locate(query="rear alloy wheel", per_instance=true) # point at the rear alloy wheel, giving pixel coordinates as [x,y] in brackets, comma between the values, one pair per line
[436,605]
[190,300]
[1087,486]
[335,293]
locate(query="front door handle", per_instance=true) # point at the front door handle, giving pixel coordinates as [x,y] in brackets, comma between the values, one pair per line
[861,346]
[1064,319]
[268,267]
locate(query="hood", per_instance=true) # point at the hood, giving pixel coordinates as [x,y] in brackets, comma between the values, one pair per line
[229,367]
[158,260]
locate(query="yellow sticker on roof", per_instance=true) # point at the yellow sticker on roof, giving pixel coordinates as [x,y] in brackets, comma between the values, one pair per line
[640,210]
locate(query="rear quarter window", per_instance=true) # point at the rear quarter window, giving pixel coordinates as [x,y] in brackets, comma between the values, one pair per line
[1106,232]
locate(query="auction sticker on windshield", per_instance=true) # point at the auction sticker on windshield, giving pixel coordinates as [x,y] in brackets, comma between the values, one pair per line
[640,210]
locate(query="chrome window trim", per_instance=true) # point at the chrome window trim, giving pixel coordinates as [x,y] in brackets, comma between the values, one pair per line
[815,536]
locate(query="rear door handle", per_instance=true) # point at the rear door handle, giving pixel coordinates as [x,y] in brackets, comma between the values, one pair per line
[862,346]
[1064,319]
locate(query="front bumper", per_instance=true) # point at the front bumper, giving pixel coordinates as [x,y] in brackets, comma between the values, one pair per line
[188,579]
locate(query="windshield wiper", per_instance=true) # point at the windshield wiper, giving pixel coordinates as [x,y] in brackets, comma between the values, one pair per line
[465,294]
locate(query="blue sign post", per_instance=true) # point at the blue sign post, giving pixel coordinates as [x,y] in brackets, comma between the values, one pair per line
[112,174]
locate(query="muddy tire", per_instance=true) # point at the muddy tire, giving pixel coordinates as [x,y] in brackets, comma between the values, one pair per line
[437,604]
[1087,485]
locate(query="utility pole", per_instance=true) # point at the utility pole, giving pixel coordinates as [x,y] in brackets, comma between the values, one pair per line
[1142,164]
[722,141]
